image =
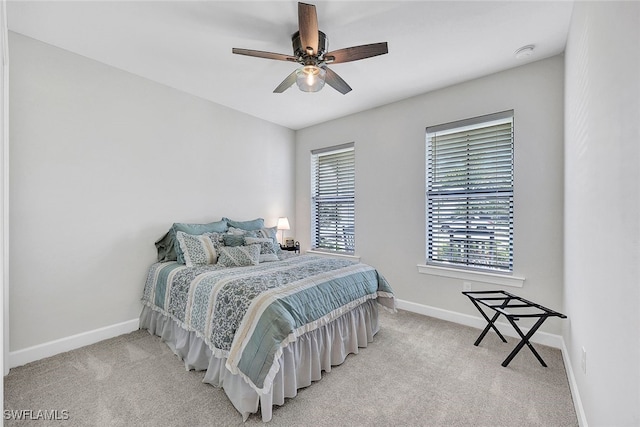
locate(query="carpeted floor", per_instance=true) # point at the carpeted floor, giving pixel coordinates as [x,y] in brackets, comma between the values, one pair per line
[419,371]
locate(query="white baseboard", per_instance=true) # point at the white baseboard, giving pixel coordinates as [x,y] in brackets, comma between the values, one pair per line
[539,337]
[544,338]
[573,385]
[31,354]
[51,348]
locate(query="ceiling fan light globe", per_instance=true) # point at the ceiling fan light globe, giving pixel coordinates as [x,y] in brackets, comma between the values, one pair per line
[310,78]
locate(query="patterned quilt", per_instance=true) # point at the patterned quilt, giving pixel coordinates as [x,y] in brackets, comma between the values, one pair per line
[248,314]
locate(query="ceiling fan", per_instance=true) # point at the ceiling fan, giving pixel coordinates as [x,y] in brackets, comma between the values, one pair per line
[310,50]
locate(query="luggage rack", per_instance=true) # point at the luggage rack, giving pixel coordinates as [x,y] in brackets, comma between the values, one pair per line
[513,308]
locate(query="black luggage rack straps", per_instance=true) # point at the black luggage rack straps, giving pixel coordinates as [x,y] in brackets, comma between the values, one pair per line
[500,302]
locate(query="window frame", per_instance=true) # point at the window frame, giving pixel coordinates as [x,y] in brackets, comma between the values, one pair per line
[485,205]
[330,236]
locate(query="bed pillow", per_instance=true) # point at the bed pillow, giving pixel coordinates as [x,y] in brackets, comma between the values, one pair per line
[198,250]
[233,239]
[197,229]
[239,256]
[267,248]
[252,225]
[250,233]
[270,233]
[168,247]
[165,247]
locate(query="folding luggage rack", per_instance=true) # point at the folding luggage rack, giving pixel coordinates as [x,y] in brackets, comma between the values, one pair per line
[500,302]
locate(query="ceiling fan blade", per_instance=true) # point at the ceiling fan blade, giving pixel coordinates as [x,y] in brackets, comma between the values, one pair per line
[356,52]
[286,83]
[308,26]
[335,81]
[266,55]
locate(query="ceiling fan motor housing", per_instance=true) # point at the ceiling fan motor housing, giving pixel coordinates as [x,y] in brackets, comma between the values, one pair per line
[301,51]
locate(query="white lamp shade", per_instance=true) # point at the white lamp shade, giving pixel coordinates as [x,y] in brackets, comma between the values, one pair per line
[283,223]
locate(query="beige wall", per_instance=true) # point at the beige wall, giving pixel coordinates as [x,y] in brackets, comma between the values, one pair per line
[102,163]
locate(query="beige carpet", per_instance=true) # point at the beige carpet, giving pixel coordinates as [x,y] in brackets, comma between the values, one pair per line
[419,371]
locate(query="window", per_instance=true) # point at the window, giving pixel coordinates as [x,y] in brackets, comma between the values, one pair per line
[470,193]
[333,199]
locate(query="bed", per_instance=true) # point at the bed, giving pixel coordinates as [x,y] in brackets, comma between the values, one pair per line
[263,330]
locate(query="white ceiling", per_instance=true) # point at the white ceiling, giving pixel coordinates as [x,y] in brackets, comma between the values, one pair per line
[187,45]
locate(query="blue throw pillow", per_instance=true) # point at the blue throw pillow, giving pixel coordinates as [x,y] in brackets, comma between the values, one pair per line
[233,239]
[197,229]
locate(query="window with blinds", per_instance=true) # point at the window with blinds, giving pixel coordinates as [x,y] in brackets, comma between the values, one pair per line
[470,193]
[333,199]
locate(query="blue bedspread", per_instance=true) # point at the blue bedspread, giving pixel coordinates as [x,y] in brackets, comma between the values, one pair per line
[248,314]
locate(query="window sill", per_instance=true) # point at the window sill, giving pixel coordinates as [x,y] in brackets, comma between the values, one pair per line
[333,254]
[473,276]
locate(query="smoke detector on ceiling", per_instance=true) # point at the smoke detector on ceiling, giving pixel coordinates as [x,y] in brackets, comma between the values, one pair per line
[525,51]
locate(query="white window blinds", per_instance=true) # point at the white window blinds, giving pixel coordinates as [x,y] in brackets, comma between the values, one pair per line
[470,193]
[333,199]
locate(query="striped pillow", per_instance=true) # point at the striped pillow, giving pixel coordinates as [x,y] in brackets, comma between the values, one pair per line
[267,248]
[239,256]
[198,250]
[270,233]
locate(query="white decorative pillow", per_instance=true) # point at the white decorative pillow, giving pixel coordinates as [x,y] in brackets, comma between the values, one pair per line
[241,232]
[267,248]
[239,256]
[198,250]
[271,233]
[237,231]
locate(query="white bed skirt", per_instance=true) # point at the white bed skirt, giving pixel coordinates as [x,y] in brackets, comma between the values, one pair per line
[301,362]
